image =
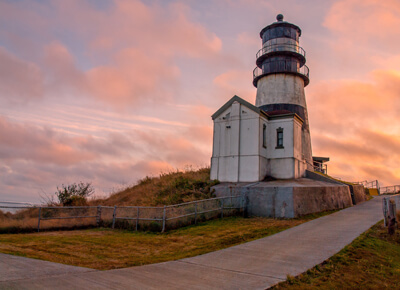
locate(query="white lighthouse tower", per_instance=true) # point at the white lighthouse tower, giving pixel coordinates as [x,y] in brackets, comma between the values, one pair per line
[272,138]
[281,75]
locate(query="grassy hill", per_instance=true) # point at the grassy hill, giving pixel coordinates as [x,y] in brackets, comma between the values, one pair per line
[166,189]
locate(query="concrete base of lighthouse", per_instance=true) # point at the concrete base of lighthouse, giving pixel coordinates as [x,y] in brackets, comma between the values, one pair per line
[292,198]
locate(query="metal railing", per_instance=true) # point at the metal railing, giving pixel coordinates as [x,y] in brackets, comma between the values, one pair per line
[281,48]
[282,66]
[134,217]
[17,202]
[322,168]
[390,189]
[369,184]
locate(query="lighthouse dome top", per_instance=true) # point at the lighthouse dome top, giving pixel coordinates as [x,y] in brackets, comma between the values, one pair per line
[280,27]
[279,17]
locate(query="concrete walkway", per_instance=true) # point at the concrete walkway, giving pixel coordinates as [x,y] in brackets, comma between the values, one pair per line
[255,265]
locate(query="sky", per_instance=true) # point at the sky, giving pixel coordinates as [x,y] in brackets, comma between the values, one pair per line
[111,91]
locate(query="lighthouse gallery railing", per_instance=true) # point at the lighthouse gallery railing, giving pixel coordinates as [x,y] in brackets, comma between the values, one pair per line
[279,48]
[286,66]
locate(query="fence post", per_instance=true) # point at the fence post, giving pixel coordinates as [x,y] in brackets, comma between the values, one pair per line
[163,220]
[243,205]
[195,212]
[392,209]
[384,208]
[378,187]
[114,215]
[222,208]
[38,226]
[137,218]
[98,216]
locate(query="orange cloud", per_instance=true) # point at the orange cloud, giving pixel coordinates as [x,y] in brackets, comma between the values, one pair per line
[365,20]
[134,76]
[357,125]
[364,32]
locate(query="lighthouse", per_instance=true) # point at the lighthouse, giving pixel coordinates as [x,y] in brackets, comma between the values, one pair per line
[262,151]
[270,139]
[281,75]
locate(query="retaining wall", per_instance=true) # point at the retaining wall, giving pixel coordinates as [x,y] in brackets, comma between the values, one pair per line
[357,191]
[288,200]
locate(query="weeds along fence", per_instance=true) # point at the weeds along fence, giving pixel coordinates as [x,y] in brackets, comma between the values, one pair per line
[35,218]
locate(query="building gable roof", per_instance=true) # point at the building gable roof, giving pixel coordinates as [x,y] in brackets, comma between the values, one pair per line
[239,100]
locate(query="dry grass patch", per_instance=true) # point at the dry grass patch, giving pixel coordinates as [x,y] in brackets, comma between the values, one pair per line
[105,249]
[165,189]
[372,261]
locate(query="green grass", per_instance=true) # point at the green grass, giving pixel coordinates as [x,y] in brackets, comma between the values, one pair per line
[372,261]
[109,249]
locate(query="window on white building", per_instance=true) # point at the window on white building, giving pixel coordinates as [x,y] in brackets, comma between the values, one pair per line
[279,137]
[264,136]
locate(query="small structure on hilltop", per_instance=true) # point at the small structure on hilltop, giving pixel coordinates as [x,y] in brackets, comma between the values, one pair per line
[271,139]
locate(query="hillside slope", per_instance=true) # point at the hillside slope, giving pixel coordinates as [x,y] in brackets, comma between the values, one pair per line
[166,189]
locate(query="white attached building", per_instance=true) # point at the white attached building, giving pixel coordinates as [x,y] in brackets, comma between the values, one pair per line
[250,144]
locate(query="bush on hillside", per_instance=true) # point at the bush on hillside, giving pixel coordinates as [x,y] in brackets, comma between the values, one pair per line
[74,194]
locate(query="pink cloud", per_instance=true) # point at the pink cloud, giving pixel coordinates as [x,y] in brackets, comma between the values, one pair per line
[139,41]
[41,158]
[19,80]
[31,143]
[235,82]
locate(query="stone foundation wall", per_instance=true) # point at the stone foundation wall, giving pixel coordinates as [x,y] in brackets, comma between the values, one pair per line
[358,193]
[274,202]
[316,199]
[287,201]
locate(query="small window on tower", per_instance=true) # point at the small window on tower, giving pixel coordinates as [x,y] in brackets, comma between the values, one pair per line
[279,137]
[264,136]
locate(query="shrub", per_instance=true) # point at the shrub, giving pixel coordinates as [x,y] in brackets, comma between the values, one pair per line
[74,194]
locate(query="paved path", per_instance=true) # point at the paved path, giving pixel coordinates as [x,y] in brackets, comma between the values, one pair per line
[254,265]
[14,268]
